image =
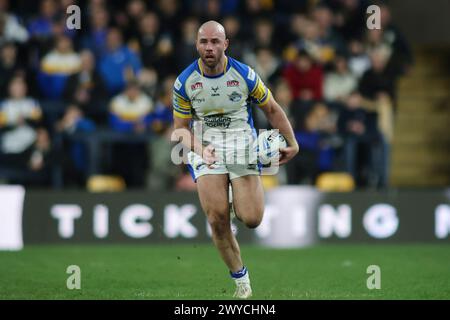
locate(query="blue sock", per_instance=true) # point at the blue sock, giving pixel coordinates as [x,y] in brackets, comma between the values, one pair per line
[239,274]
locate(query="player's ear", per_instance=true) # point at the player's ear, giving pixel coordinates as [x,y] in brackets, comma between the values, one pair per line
[227,42]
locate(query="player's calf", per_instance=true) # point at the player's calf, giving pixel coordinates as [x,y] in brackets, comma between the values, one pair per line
[220,223]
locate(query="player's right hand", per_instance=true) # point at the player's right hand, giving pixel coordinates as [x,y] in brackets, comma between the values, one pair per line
[209,155]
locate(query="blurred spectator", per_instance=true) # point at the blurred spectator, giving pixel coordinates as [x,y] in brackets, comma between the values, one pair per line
[377,79]
[41,27]
[402,57]
[364,149]
[317,135]
[358,61]
[24,149]
[32,166]
[283,95]
[148,38]
[350,18]
[148,81]
[9,66]
[186,52]
[328,36]
[95,38]
[340,82]
[131,112]
[86,89]
[212,10]
[320,50]
[169,12]
[119,64]
[263,36]
[163,172]
[135,10]
[162,115]
[233,31]
[265,63]
[251,11]
[11,29]
[304,77]
[73,122]
[56,67]
[18,108]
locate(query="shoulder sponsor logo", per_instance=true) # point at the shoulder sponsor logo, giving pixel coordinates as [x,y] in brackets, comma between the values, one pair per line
[197,85]
[232,83]
[177,84]
[251,74]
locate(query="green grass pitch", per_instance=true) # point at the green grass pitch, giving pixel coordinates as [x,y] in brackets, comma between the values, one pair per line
[196,272]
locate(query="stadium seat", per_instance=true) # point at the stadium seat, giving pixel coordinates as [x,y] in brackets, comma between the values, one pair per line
[105,183]
[335,182]
[269,182]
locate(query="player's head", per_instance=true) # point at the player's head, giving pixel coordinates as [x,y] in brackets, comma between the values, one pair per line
[211,43]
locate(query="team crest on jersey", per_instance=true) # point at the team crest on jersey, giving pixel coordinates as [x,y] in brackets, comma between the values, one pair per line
[235,96]
[232,83]
[215,89]
[197,85]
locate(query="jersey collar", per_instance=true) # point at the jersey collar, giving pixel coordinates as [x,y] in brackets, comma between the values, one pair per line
[200,70]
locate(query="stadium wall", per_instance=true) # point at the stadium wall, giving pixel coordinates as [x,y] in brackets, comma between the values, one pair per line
[294,217]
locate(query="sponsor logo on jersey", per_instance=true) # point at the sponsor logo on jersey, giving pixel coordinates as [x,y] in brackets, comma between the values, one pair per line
[197,85]
[215,89]
[217,121]
[177,84]
[235,96]
[198,100]
[251,74]
[232,83]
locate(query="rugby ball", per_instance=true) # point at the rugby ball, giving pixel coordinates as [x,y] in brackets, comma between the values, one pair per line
[269,144]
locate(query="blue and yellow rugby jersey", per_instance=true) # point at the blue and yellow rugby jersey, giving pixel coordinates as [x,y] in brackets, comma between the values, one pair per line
[220,103]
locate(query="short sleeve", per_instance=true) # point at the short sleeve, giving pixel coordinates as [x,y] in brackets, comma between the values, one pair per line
[259,94]
[181,104]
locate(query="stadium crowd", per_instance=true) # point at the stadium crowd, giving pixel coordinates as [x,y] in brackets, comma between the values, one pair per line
[75,103]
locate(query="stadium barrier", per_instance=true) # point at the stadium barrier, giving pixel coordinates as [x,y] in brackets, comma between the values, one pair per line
[295,216]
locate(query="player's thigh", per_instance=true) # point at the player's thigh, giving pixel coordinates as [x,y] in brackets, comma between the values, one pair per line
[248,199]
[213,194]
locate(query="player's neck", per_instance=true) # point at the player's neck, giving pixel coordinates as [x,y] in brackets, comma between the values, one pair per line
[216,70]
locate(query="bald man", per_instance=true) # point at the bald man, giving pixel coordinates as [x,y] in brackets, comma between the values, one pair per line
[212,98]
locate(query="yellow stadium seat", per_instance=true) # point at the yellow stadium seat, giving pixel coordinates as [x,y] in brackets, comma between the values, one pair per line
[105,183]
[269,182]
[335,182]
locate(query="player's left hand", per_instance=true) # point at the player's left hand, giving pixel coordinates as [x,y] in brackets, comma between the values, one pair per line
[288,153]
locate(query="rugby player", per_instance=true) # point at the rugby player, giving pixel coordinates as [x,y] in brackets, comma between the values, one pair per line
[215,93]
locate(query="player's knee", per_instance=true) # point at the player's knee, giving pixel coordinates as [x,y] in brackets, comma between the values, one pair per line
[218,222]
[252,222]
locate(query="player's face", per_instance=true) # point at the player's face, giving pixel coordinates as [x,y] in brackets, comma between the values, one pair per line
[211,47]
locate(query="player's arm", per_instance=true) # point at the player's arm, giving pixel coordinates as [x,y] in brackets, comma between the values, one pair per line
[263,98]
[278,119]
[182,118]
